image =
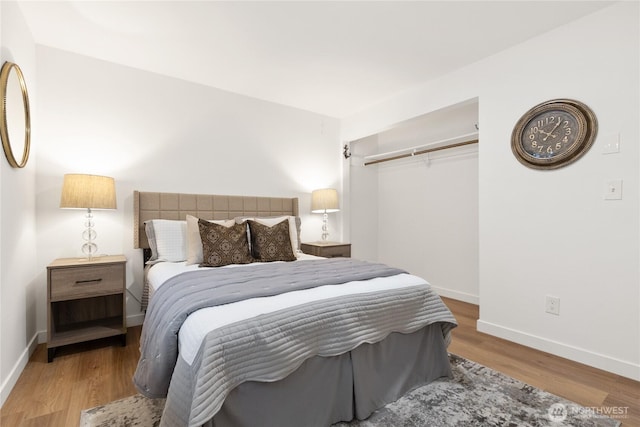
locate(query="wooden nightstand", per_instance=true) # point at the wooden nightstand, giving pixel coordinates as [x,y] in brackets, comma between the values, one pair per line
[85,300]
[327,249]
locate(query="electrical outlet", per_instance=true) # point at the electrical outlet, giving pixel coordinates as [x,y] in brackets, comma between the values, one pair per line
[552,305]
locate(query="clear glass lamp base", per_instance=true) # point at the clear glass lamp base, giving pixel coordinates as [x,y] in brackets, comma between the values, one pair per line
[89,249]
[89,234]
[325,227]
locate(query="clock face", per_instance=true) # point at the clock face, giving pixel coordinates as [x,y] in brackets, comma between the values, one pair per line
[553,134]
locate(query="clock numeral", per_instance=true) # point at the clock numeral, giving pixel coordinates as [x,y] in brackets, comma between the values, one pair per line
[549,150]
[567,131]
[554,120]
[558,145]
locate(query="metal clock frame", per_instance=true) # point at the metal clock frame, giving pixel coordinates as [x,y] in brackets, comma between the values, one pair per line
[583,115]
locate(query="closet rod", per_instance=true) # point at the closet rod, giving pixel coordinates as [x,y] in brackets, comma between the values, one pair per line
[425,151]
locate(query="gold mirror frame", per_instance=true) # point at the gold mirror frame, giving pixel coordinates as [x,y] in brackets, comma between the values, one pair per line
[5,73]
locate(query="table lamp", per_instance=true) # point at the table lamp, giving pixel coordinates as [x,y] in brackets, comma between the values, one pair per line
[88,192]
[324,201]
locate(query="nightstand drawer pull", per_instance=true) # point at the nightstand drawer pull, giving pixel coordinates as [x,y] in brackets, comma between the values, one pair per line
[84,282]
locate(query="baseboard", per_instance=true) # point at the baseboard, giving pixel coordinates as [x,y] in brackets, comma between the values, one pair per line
[460,296]
[17,369]
[576,354]
[135,319]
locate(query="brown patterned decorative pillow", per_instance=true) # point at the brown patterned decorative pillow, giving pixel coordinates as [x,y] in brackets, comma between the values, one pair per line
[223,245]
[271,243]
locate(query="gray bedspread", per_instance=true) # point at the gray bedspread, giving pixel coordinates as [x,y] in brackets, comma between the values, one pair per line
[183,294]
[270,346]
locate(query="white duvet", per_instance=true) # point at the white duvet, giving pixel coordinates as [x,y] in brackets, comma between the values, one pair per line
[203,321]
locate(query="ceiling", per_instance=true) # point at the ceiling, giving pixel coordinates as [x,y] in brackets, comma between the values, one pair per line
[332,58]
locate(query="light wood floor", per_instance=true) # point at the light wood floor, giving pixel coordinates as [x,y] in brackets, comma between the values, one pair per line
[579,383]
[87,375]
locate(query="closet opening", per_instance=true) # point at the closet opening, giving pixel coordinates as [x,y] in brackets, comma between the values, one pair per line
[414,198]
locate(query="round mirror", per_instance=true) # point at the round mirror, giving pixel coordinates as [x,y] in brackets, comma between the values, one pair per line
[15,125]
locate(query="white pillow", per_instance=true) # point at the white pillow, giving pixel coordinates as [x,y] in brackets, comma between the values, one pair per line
[194,242]
[273,220]
[167,239]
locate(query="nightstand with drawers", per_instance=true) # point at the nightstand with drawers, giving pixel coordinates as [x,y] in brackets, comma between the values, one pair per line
[327,249]
[85,300]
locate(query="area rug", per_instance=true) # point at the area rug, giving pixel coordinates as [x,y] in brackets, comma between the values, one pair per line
[475,396]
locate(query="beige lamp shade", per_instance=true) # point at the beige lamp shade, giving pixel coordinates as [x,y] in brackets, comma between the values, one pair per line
[88,191]
[324,201]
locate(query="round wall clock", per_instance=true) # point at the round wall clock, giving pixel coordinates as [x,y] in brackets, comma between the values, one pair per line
[553,134]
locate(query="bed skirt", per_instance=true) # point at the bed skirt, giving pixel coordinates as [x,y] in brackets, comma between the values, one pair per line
[324,391]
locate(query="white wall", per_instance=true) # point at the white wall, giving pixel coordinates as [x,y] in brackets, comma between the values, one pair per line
[421,213]
[572,244]
[153,133]
[18,243]
[550,232]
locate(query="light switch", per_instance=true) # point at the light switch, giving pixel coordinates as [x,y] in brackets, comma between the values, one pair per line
[613,190]
[612,144]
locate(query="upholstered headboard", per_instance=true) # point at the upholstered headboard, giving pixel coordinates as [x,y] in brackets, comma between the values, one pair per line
[177,206]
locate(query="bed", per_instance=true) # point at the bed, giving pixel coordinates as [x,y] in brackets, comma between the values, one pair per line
[281,339]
